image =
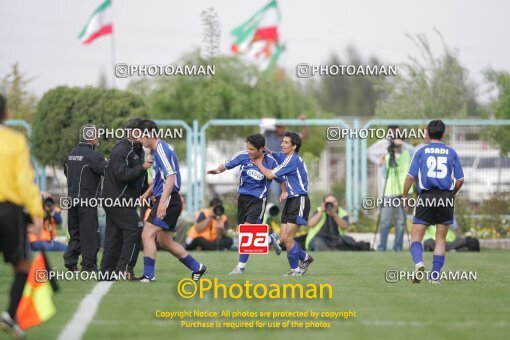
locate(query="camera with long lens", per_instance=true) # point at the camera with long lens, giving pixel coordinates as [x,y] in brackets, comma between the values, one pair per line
[329,206]
[218,210]
[391,152]
[273,210]
[48,202]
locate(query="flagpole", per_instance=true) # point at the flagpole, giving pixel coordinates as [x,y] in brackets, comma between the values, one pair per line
[113,49]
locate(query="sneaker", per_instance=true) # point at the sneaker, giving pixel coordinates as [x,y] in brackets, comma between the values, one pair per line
[72,268]
[303,265]
[195,276]
[130,276]
[276,244]
[417,277]
[11,327]
[237,271]
[294,272]
[146,279]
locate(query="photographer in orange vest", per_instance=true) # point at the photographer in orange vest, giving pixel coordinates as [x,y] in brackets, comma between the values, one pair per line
[209,232]
[52,218]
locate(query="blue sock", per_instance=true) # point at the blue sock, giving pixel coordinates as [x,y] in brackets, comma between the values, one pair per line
[302,253]
[148,267]
[293,256]
[271,240]
[417,252]
[191,263]
[243,258]
[437,264]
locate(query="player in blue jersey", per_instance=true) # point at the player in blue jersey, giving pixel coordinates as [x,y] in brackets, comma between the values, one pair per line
[292,170]
[252,189]
[437,172]
[163,217]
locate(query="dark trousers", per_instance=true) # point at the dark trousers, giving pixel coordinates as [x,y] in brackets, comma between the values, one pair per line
[83,228]
[204,244]
[122,240]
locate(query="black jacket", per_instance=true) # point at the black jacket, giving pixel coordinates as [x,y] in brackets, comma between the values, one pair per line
[124,175]
[83,168]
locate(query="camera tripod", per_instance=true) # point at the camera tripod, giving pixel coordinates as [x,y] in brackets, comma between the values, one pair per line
[393,169]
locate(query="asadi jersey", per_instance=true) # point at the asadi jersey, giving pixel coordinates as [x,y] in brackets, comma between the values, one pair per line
[435,166]
[165,164]
[292,170]
[252,181]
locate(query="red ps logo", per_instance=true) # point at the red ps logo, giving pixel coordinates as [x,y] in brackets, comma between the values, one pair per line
[253,239]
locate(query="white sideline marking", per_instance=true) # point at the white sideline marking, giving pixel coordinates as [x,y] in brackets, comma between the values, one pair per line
[83,316]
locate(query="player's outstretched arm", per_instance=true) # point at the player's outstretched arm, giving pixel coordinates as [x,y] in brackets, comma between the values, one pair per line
[217,171]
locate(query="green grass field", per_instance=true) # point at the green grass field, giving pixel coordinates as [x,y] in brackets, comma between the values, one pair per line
[453,310]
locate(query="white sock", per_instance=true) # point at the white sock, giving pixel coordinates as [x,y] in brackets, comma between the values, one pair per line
[419,264]
[241,265]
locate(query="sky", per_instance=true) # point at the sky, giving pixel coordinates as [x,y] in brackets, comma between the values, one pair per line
[42,36]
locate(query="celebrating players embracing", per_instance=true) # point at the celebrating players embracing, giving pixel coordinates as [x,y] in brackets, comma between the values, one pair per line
[292,170]
[252,189]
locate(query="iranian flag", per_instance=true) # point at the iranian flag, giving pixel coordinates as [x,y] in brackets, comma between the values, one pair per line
[100,23]
[258,37]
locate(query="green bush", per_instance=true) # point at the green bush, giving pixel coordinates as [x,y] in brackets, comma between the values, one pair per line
[63,110]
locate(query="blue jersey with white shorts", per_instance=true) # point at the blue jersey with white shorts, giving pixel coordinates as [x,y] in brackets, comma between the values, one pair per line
[165,164]
[435,166]
[292,170]
[252,181]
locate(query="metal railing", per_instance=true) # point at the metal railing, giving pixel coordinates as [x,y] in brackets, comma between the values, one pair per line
[356,162]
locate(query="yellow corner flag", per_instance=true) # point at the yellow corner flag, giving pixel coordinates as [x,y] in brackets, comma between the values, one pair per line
[36,305]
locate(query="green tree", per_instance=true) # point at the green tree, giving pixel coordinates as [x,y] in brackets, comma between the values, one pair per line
[240,91]
[436,86]
[22,103]
[63,110]
[499,109]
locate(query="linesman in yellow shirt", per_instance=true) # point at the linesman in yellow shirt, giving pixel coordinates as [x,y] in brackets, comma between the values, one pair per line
[20,211]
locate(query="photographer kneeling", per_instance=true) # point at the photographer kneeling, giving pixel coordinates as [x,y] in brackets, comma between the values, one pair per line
[52,217]
[210,229]
[327,228]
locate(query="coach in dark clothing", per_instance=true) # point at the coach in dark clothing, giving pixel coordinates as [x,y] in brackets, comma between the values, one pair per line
[83,168]
[124,179]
